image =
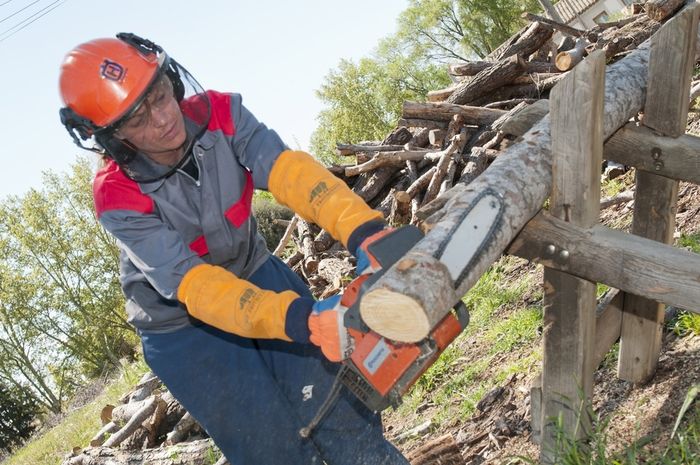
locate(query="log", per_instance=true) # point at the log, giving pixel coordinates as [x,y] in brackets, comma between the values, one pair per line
[395,159]
[147,384]
[520,119]
[659,10]
[651,269]
[422,123]
[181,430]
[437,137]
[570,58]
[352,149]
[334,270]
[415,293]
[622,197]
[512,103]
[472,68]
[572,31]
[498,75]
[442,450]
[529,41]
[147,409]
[455,148]
[99,438]
[282,245]
[307,246]
[191,453]
[672,157]
[476,116]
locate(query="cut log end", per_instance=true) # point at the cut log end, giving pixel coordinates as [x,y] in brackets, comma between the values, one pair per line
[396,316]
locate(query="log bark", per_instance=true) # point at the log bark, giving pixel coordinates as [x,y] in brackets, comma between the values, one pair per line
[191,453]
[442,450]
[307,246]
[422,123]
[282,245]
[498,75]
[420,289]
[455,148]
[147,409]
[99,438]
[445,111]
[659,10]
[351,149]
[531,39]
[396,159]
[181,430]
[572,31]
[147,384]
[472,68]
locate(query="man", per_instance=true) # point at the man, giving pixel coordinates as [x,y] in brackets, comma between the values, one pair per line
[223,323]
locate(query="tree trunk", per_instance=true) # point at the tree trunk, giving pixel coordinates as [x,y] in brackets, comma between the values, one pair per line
[191,453]
[476,116]
[421,288]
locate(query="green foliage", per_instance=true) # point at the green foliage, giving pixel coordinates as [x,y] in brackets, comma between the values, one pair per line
[686,323]
[266,210]
[18,408]
[61,306]
[690,242]
[519,328]
[449,30]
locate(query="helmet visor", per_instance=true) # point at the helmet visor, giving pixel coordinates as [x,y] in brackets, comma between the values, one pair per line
[120,140]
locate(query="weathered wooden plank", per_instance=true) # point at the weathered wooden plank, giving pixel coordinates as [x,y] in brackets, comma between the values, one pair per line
[576,109]
[670,71]
[608,324]
[630,263]
[645,149]
[672,54]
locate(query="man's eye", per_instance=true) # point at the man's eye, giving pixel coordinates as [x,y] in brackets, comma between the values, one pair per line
[135,122]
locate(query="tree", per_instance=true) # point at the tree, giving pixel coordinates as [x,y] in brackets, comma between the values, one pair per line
[449,30]
[363,100]
[18,409]
[61,306]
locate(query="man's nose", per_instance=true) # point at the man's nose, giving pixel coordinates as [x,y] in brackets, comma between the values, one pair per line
[159,117]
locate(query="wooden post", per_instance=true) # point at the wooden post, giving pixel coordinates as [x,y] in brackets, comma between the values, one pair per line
[576,112]
[672,55]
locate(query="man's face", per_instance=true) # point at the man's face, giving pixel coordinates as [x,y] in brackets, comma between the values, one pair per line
[157,127]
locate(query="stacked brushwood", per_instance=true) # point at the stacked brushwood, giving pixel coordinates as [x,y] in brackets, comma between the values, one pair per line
[455,135]
[437,145]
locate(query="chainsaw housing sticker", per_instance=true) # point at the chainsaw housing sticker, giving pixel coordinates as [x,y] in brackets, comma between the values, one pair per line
[376,356]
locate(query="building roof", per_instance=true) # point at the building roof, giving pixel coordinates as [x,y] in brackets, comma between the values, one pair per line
[570,9]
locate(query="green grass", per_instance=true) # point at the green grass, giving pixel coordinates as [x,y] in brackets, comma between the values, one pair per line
[78,427]
[519,328]
[683,448]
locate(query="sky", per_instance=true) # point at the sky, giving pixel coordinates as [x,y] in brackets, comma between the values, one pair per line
[275,53]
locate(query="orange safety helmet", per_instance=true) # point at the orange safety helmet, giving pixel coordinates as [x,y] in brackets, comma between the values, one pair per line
[101,80]
[104,81]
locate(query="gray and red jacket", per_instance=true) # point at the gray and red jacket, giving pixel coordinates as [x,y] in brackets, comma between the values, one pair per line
[166,227]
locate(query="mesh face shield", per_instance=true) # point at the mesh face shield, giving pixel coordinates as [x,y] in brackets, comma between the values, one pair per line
[195,107]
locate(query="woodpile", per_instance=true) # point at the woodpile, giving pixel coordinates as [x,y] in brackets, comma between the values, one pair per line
[148,427]
[458,132]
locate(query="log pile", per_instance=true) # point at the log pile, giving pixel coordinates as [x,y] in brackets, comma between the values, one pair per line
[148,427]
[455,135]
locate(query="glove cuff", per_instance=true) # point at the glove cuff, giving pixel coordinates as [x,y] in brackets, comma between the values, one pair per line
[296,323]
[362,232]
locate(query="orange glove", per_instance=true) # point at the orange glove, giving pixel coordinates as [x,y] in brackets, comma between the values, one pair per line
[327,327]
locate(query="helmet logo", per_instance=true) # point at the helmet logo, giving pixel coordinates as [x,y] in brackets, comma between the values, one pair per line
[112,70]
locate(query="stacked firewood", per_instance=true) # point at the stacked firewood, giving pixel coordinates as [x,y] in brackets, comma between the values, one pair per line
[148,426]
[460,130]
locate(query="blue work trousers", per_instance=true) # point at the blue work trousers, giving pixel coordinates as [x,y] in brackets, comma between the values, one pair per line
[252,396]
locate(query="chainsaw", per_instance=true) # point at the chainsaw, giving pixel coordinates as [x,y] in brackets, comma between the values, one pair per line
[380,371]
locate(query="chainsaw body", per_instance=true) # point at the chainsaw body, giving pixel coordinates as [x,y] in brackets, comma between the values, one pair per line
[380,371]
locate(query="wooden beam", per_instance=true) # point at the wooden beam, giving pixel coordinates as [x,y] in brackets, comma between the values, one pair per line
[656,198]
[630,263]
[645,149]
[576,109]
[439,270]
[608,324]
